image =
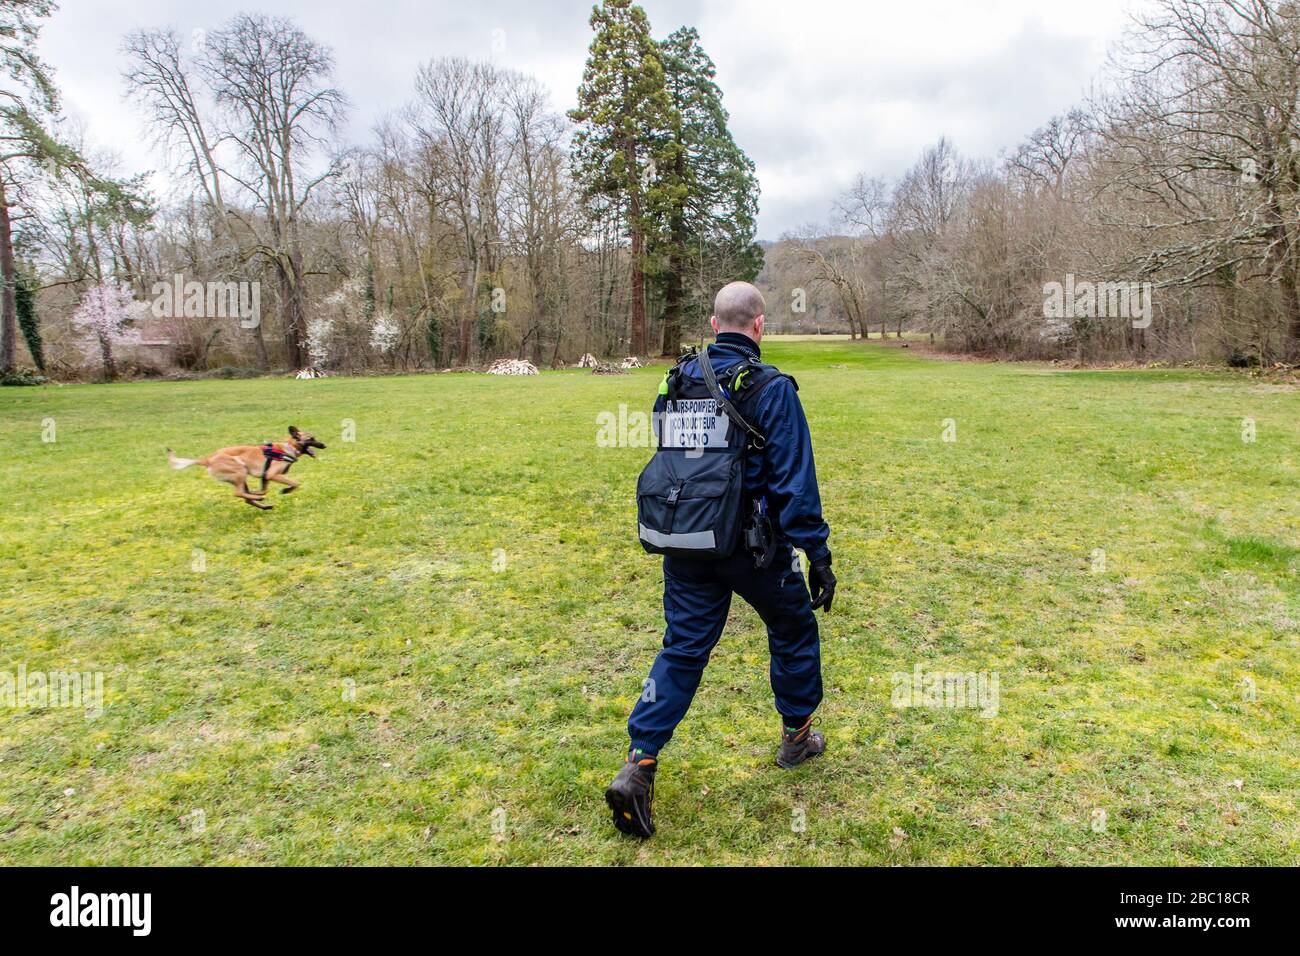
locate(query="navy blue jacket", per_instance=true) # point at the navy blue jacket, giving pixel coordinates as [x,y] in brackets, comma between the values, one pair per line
[782,472]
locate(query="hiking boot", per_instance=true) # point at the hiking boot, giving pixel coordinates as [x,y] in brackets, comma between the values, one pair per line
[798,744]
[631,796]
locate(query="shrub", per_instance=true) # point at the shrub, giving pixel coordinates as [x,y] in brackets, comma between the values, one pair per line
[23,376]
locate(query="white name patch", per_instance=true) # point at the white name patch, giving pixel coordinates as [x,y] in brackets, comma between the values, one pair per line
[694,423]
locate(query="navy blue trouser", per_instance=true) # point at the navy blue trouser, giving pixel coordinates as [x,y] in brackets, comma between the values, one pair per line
[697,597]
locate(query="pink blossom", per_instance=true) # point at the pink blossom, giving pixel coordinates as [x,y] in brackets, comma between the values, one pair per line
[104,311]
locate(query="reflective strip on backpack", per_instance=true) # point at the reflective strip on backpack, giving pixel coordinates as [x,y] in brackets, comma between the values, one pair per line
[689,540]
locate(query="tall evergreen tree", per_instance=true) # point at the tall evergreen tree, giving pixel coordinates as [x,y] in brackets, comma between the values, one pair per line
[624,147]
[711,226]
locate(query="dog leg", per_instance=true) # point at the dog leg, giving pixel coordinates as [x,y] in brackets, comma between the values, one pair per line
[252,497]
[285,480]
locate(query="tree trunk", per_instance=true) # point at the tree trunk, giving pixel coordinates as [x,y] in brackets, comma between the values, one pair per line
[262,357]
[106,353]
[672,331]
[292,311]
[9,311]
[638,272]
[259,344]
[672,337]
[1290,295]
[467,318]
[638,288]
[462,341]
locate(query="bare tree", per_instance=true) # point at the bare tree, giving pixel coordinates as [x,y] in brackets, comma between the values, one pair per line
[457,120]
[837,263]
[1203,148]
[541,209]
[271,81]
[162,82]
[251,157]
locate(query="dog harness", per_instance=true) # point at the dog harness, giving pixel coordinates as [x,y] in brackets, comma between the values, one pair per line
[275,452]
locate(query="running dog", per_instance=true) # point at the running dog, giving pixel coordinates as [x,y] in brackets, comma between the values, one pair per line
[270,462]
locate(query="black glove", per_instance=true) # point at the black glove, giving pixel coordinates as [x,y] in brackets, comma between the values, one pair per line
[822,584]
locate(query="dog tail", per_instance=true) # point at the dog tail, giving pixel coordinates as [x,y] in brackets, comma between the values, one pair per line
[179,463]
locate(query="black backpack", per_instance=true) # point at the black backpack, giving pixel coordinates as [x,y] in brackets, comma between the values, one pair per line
[690,497]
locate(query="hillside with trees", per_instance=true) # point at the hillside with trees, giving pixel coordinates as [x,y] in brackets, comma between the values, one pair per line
[1181,176]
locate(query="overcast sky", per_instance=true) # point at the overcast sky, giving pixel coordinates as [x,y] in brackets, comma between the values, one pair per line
[818,90]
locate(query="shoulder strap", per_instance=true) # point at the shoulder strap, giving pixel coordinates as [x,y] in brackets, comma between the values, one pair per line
[748,379]
[672,380]
[756,437]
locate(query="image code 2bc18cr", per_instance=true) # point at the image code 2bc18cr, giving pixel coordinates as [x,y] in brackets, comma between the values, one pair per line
[1227,896]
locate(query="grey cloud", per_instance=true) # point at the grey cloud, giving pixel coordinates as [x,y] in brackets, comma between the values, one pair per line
[804,104]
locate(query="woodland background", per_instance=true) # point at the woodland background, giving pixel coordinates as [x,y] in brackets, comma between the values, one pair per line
[480,222]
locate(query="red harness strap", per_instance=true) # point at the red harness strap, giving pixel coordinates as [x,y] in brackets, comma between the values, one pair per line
[273,452]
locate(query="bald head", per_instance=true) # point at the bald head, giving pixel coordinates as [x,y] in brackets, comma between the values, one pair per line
[736,306]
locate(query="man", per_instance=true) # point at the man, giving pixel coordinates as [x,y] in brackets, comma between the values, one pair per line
[779,476]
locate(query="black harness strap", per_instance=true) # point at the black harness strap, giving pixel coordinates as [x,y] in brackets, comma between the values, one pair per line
[269,454]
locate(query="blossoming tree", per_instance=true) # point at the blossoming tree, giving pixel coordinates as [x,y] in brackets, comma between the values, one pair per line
[103,313]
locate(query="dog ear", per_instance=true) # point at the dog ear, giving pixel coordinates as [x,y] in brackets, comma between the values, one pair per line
[293,431]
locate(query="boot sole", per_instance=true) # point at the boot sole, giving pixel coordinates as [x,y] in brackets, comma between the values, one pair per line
[627,817]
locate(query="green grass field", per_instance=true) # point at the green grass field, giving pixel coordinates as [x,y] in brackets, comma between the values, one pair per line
[427,654]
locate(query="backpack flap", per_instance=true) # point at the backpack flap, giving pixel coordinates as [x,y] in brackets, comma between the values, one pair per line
[688,503]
